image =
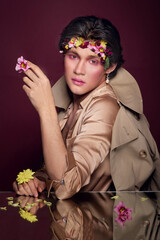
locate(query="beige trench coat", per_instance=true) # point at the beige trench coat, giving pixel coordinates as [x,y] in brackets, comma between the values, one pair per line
[134,156]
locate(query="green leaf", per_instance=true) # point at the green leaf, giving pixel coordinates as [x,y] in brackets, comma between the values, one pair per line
[106,65]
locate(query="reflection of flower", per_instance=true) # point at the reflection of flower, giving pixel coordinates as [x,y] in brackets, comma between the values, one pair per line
[9,198]
[3,208]
[47,203]
[28,216]
[144,199]
[124,213]
[21,65]
[25,176]
[10,203]
[115,197]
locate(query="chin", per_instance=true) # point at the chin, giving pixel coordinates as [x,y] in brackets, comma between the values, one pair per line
[78,91]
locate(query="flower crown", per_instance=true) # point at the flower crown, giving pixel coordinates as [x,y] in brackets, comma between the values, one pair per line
[97,46]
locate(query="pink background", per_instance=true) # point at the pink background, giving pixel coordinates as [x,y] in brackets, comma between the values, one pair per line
[31,29]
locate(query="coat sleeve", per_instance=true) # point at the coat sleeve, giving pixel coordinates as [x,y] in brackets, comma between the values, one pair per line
[89,148]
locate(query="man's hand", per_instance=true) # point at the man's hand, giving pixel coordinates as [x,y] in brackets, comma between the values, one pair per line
[31,188]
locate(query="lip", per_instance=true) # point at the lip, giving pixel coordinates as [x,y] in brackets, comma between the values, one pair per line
[78,81]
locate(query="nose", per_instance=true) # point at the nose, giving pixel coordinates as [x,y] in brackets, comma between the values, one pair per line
[80,68]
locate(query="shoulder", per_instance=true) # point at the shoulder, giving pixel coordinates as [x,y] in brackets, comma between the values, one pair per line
[102,107]
[104,98]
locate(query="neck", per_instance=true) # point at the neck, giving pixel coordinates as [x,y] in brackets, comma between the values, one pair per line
[78,98]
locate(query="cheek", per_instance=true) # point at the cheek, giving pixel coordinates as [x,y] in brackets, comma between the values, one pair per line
[97,73]
[68,66]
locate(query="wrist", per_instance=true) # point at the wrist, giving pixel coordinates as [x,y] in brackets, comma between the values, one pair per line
[48,112]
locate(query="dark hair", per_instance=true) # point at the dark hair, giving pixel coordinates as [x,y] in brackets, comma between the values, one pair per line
[91,27]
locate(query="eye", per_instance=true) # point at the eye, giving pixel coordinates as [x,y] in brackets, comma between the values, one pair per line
[93,61]
[72,56]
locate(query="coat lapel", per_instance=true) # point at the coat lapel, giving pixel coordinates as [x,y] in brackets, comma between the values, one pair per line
[60,93]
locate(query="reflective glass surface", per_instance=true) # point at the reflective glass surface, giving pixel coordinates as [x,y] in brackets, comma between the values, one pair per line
[89,216]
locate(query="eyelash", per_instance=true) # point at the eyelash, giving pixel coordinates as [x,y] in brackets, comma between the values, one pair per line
[72,56]
[91,61]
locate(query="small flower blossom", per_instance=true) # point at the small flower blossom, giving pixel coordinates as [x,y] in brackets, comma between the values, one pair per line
[67,46]
[72,42]
[3,208]
[79,42]
[28,216]
[124,213]
[25,176]
[21,65]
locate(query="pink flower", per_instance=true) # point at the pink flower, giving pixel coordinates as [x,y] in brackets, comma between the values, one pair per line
[21,65]
[124,213]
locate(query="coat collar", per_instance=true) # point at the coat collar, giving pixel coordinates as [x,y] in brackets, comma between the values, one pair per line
[127,90]
[124,86]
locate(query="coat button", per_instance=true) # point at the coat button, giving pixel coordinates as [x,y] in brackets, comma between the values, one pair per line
[146,223]
[62,182]
[143,154]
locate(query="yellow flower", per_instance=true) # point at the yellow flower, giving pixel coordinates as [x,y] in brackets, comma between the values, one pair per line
[101,50]
[67,46]
[79,41]
[93,43]
[103,43]
[73,40]
[28,216]
[25,176]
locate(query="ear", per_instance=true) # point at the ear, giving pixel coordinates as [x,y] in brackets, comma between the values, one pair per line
[111,68]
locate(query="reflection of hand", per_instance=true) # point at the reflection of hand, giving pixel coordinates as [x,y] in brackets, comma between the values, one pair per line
[30,204]
[31,188]
[38,88]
